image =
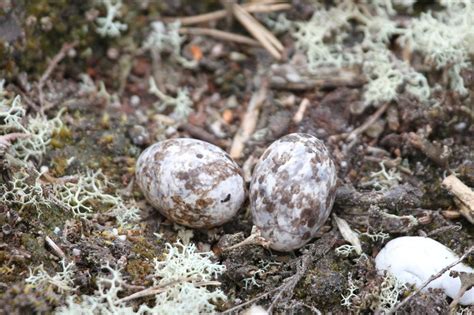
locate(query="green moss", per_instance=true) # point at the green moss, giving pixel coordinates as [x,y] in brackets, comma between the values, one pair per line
[47,26]
[59,166]
[144,249]
[35,246]
[139,270]
[61,137]
[326,279]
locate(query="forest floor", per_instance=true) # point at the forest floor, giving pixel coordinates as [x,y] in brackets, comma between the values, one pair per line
[391,159]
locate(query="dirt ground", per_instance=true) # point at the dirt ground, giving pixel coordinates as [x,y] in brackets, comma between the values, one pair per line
[391,159]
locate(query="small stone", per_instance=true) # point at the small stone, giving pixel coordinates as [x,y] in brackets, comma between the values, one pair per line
[414,259]
[139,135]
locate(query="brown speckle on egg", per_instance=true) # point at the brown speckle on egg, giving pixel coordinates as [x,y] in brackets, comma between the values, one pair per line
[292,190]
[191,182]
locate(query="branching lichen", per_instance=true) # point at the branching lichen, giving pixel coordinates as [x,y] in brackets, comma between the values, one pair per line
[166,38]
[390,291]
[381,300]
[79,197]
[62,281]
[105,301]
[25,191]
[182,278]
[37,130]
[108,25]
[444,38]
[182,104]
[383,180]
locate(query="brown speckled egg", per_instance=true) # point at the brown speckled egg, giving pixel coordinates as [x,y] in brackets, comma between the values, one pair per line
[191,182]
[292,190]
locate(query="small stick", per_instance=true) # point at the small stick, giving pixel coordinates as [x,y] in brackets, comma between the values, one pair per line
[307,260]
[426,147]
[433,277]
[162,288]
[342,77]
[268,41]
[369,122]
[220,14]
[202,134]
[463,193]
[255,238]
[261,296]
[219,35]
[278,45]
[59,252]
[51,66]
[298,117]
[249,122]
[60,180]
[354,135]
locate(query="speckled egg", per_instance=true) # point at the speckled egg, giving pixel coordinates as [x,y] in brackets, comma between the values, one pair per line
[292,190]
[191,182]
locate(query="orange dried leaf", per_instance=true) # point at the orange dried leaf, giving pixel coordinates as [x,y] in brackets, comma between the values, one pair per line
[196,52]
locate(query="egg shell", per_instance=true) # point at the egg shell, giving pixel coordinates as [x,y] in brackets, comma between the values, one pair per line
[414,259]
[191,182]
[292,190]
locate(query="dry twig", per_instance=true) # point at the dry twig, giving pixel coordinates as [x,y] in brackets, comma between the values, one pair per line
[353,137]
[467,281]
[264,36]
[298,117]
[162,288]
[219,35]
[463,193]
[220,14]
[433,152]
[249,122]
[255,238]
[51,66]
[313,254]
[370,121]
[202,134]
[57,250]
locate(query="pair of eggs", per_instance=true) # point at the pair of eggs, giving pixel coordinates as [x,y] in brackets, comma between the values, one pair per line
[197,184]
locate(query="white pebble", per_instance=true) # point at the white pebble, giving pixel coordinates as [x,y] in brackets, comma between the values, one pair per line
[414,259]
[135,100]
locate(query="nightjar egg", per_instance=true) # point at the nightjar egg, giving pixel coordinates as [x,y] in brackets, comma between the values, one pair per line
[292,190]
[191,182]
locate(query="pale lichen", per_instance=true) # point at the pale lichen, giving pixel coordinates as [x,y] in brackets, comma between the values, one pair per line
[182,277]
[182,103]
[166,38]
[108,25]
[62,281]
[444,38]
